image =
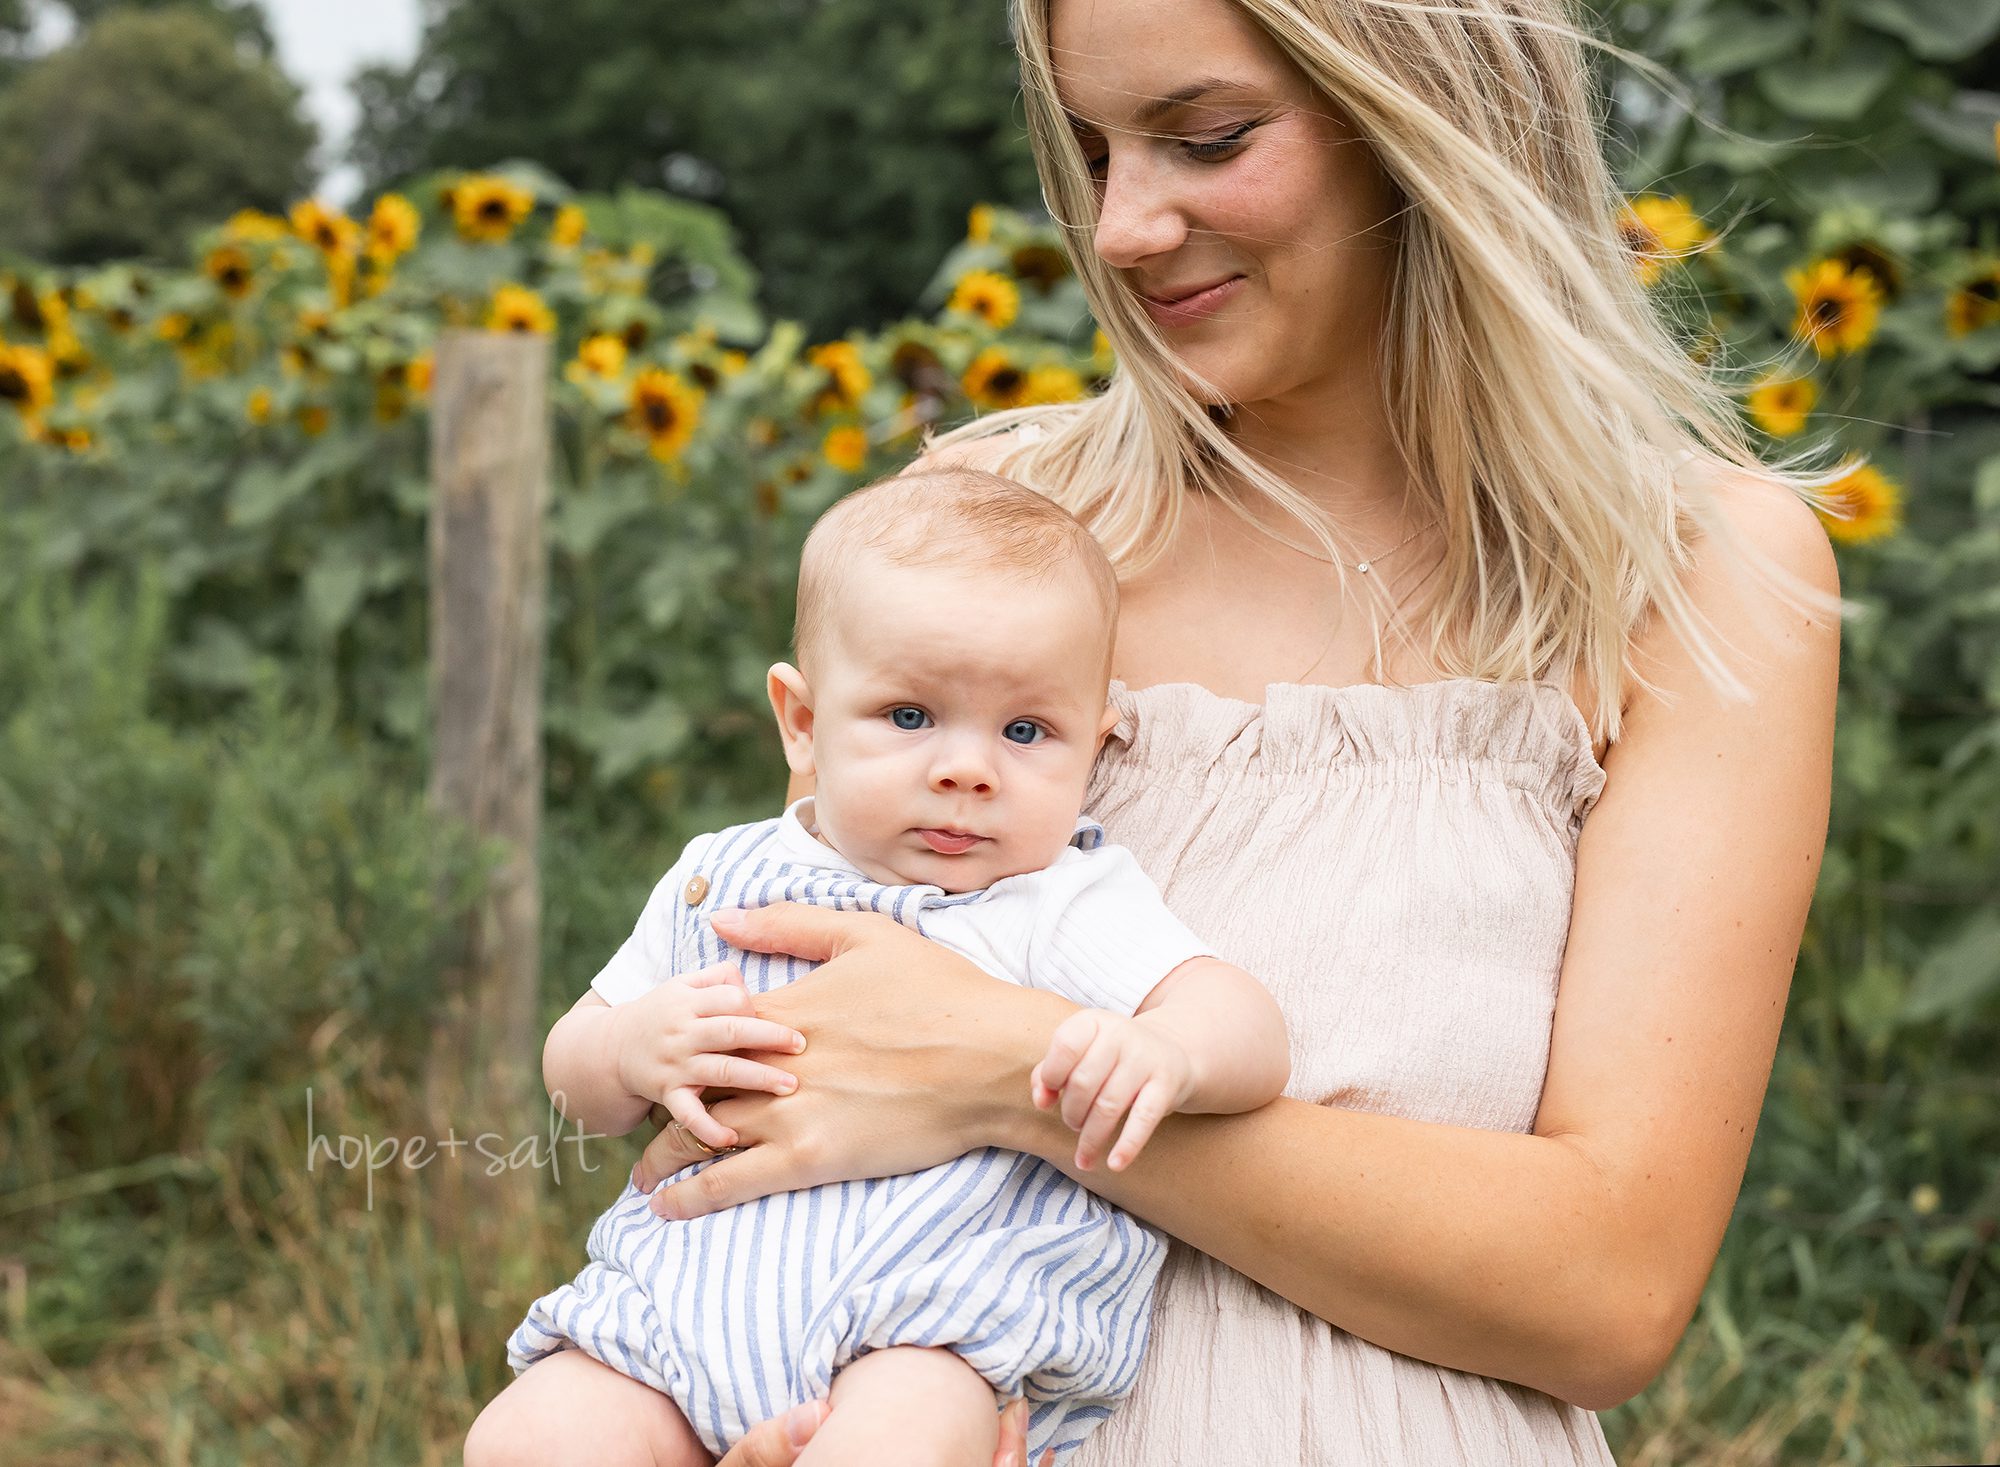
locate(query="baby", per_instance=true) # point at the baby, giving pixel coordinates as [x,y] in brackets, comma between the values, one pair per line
[954,656]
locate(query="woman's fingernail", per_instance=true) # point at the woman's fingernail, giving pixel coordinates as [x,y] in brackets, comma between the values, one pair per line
[798,1044]
[801,1422]
[725,917]
[635,1177]
[787,1085]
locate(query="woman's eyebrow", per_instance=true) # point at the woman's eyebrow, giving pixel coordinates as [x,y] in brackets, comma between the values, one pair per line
[1155,108]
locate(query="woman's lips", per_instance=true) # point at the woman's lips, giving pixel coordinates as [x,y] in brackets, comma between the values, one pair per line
[949,842]
[1192,307]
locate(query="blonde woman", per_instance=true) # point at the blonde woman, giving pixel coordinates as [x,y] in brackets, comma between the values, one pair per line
[1476,687]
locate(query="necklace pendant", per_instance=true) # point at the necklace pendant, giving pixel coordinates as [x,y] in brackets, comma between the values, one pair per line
[1363,567]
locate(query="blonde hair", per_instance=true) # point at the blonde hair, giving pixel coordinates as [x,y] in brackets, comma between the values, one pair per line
[960,517]
[1552,423]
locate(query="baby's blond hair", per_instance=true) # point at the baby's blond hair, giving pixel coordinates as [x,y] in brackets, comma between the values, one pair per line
[963,518]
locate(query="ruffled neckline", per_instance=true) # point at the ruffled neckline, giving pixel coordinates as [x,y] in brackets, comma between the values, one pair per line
[1533,731]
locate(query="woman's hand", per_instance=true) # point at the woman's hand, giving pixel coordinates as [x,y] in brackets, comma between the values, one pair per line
[914,1056]
[777,1442]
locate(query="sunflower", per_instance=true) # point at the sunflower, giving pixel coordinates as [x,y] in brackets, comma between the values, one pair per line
[314,419]
[846,448]
[848,377]
[1052,384]
[229,267]
[27,379]
[24,305]
[979,223]
[1864,257]
[993,298]
[516,308]
[1869,505]
[327,230]
[601,356]
[1780,405]
[1975,305]
[392,228]
[994,381]
[666,409]
[420,373]
[566,230]
[254,226]
[1838,307]
[1659,231]
[74,439]
[257,407]
[487,208]
[1042,266]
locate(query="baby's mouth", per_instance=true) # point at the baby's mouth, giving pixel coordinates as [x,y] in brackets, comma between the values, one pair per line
[950,842]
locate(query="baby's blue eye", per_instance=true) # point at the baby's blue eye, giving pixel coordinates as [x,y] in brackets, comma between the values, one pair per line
[1023,731]
[909,718]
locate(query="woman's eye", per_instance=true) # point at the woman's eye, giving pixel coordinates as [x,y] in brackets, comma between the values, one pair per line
[1215,148]
[1023,731]
[909,718]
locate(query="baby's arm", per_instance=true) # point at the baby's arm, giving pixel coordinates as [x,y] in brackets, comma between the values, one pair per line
[1209,1037]
[1232,1031]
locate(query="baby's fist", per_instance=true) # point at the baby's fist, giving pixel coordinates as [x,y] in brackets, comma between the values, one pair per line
[1101,1065]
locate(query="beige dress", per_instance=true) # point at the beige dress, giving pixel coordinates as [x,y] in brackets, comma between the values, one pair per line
[1395,864]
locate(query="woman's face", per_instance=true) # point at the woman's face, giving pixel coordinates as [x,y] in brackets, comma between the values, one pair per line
[1252,223]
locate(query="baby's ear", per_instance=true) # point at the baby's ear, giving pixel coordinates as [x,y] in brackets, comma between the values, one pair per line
[1107,723]
[791,701]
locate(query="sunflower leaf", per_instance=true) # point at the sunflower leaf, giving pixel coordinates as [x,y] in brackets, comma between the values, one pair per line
[1937,30]
[1838,91]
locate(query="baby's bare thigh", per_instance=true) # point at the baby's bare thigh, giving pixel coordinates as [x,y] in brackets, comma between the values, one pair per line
[907,1405]
[568,1410]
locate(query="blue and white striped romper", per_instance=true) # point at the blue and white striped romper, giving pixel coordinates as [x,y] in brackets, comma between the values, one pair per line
[1037,1283]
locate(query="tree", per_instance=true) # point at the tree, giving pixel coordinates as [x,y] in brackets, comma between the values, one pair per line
[845,138]
[150,123]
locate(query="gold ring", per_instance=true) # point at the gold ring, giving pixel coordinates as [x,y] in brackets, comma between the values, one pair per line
[686,1135]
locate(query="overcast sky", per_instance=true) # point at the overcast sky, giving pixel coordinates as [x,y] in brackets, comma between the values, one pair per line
[321,43]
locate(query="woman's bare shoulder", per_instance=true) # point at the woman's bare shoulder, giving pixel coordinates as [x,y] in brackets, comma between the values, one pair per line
[987,452]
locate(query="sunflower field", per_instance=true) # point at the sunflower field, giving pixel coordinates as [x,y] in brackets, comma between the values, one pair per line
[221,903]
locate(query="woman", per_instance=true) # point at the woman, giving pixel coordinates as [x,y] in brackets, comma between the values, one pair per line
[1435,544]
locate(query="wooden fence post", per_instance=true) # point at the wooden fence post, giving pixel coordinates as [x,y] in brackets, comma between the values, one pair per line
[488,594]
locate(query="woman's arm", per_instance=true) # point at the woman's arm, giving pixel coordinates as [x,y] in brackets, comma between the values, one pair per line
[1569,1260]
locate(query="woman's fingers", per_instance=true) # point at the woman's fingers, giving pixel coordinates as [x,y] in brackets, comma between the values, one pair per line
[777,1442]
[814,933]
[742,1176]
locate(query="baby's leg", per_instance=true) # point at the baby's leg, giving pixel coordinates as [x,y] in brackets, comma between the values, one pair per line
[907,1406]
[570,1409]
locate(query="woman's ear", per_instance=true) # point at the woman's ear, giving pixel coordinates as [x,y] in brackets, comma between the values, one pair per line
[791,701]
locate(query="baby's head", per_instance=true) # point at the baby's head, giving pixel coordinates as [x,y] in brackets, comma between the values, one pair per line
[951,690]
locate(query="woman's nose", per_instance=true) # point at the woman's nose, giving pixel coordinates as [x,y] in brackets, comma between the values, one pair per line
[1137,217]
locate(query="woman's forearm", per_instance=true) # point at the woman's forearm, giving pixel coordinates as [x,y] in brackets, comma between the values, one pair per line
[1477,1250]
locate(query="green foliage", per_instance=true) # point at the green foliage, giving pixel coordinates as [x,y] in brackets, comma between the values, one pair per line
[875,126]
[120,143]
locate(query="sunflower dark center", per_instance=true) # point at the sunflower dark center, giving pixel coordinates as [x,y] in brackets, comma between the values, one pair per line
[13,386]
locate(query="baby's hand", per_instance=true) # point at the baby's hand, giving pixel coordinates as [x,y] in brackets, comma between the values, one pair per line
[1102,1064]
[675,1041]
